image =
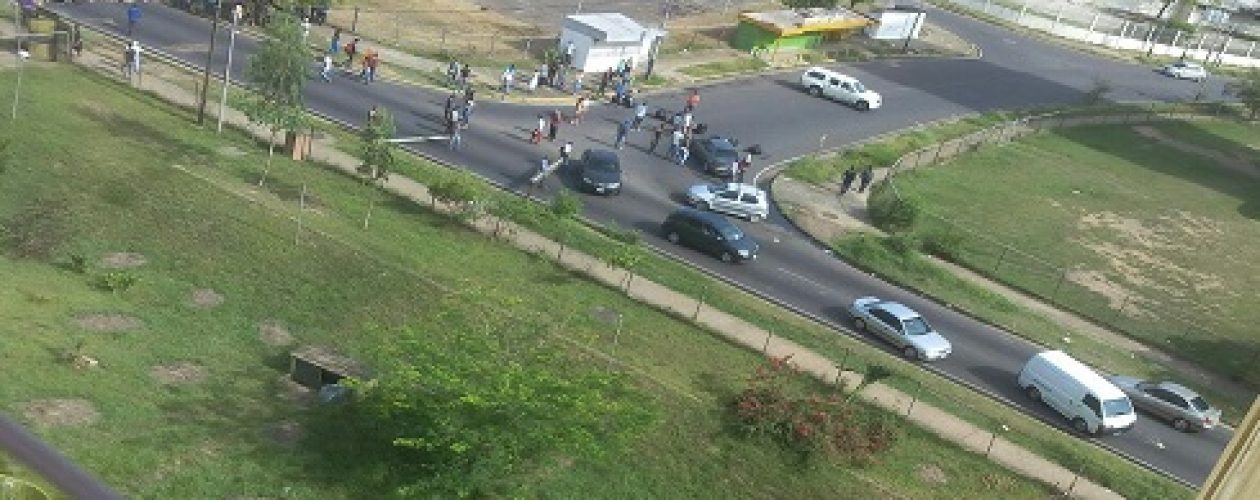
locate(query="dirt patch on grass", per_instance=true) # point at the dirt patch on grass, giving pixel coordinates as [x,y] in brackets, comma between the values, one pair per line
[60,412]
[1236,163]
[108,322]
[288,390]
[181,373]
[205,298]
[286,433]
[931,474]
[123,260]
[274,333]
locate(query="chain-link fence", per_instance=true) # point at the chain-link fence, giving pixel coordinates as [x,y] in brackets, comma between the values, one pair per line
[1149,315]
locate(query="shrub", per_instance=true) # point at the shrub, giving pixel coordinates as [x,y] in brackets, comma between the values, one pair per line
[78,263]
[116,281]
[904,244]
[889,212]
[808,423]
[566,206]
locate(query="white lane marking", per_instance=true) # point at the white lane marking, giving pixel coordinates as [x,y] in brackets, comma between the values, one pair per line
[806,280]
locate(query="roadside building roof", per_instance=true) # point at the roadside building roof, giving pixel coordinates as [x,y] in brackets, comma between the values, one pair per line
[812,20]
[609,27]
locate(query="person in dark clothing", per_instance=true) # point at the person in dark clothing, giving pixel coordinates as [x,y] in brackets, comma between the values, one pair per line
[846,181]
[133,17]
[603,83]
[553,127]
[464,74]
[866,177]
[657,133]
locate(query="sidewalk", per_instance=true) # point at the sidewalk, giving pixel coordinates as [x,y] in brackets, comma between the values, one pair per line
[734,329]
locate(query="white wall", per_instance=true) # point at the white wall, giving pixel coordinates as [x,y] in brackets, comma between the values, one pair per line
[590,56]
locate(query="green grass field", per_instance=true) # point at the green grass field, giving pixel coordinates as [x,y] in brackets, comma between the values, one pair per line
[117,172]
[1157,239]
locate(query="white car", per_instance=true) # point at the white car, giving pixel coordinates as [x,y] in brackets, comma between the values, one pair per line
[1185,71]
[822,82]
[741,200]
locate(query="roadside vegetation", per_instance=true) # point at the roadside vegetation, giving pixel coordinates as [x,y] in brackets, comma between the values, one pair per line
[154,291]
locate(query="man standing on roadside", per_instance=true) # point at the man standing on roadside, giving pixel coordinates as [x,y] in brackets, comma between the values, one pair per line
[555,125]
[867,176]
[656,137]
[623,129]
[640,113]
[846,181]
[325,71]
[693,101]
[133,17]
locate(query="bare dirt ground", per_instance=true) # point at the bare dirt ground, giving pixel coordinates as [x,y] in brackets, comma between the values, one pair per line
[123,260]
[274,333]
[60,412]
[181,373]
[205,298]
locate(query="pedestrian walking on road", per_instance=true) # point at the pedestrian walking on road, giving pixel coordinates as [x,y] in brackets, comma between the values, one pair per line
[565,151]
[128,57]
[868,175]
[577,83]
[623,128]
[351,50]
[533,82]
[604,80]
[468,109]
[554,125]
[846,181]
[133,18]
[579,110]
[464,74]
[457,140]
[693,101]
[619,92]
[452,72]
[135,58]
[640,113]
[675,142]
[509,75]
[325,70]
[656,137]
[680,155]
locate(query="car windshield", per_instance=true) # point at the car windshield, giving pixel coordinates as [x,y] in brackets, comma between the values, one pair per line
[858,87]
[723,148]
[1199,404]
[603,165]
[916,326]
[730,233]
[1116,407]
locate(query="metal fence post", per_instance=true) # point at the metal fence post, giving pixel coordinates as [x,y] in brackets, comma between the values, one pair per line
[354,24]
[443,49]
[494,39]
[1062,276]
[1001,257]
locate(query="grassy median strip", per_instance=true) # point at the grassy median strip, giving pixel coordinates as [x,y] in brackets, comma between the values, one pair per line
[187,398]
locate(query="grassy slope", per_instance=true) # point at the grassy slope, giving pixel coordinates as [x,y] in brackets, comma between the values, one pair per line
[1196,219]
[110,159]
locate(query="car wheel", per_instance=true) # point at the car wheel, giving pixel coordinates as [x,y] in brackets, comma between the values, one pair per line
[815,91]
[1033,393]
[1080,426]
[672,237]
[911,353]
[727,257]
[1181,424]
[862,106]
[860,324]
[756,218]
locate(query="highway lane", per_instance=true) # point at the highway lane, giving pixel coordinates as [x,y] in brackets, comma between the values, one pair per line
[1015,72]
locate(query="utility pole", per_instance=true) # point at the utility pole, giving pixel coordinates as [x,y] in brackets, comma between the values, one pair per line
[227,69]
[205,80]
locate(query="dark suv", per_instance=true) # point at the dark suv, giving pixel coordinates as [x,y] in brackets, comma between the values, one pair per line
[600,171]
[709,233]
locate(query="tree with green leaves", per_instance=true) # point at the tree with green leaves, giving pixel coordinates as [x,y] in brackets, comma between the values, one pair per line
[472,400]
[461,192]
[377,154]
[1247,90]
[278,72]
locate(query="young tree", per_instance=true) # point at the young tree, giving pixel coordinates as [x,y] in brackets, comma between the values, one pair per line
[377,154]
[1247,89]
[278,71]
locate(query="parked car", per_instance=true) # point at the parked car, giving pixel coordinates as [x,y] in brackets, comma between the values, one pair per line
[709,233]
[822,82]
[600,171]
[1187,411]
[716,154]
[901,326]
[1092,404]
[741,200]
[1185,71]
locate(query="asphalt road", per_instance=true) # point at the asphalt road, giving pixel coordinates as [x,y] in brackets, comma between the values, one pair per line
[1015,71]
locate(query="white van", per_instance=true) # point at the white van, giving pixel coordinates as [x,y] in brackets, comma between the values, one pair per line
[1093,405]
[822,82]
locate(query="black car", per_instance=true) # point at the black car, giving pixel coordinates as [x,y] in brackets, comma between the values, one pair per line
[709,233]
[716,154]
[600,171]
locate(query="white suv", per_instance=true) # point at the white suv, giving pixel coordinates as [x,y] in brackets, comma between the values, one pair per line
[740,200]
[823,82]
[1185,71]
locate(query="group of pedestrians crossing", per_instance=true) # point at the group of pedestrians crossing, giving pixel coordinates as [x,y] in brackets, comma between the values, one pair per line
[457,115]
[369,60]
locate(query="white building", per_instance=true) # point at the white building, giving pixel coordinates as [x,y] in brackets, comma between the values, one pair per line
[601,41]
[897,23]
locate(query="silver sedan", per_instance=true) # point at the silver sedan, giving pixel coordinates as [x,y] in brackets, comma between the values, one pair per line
[1187,411]
[900,326]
